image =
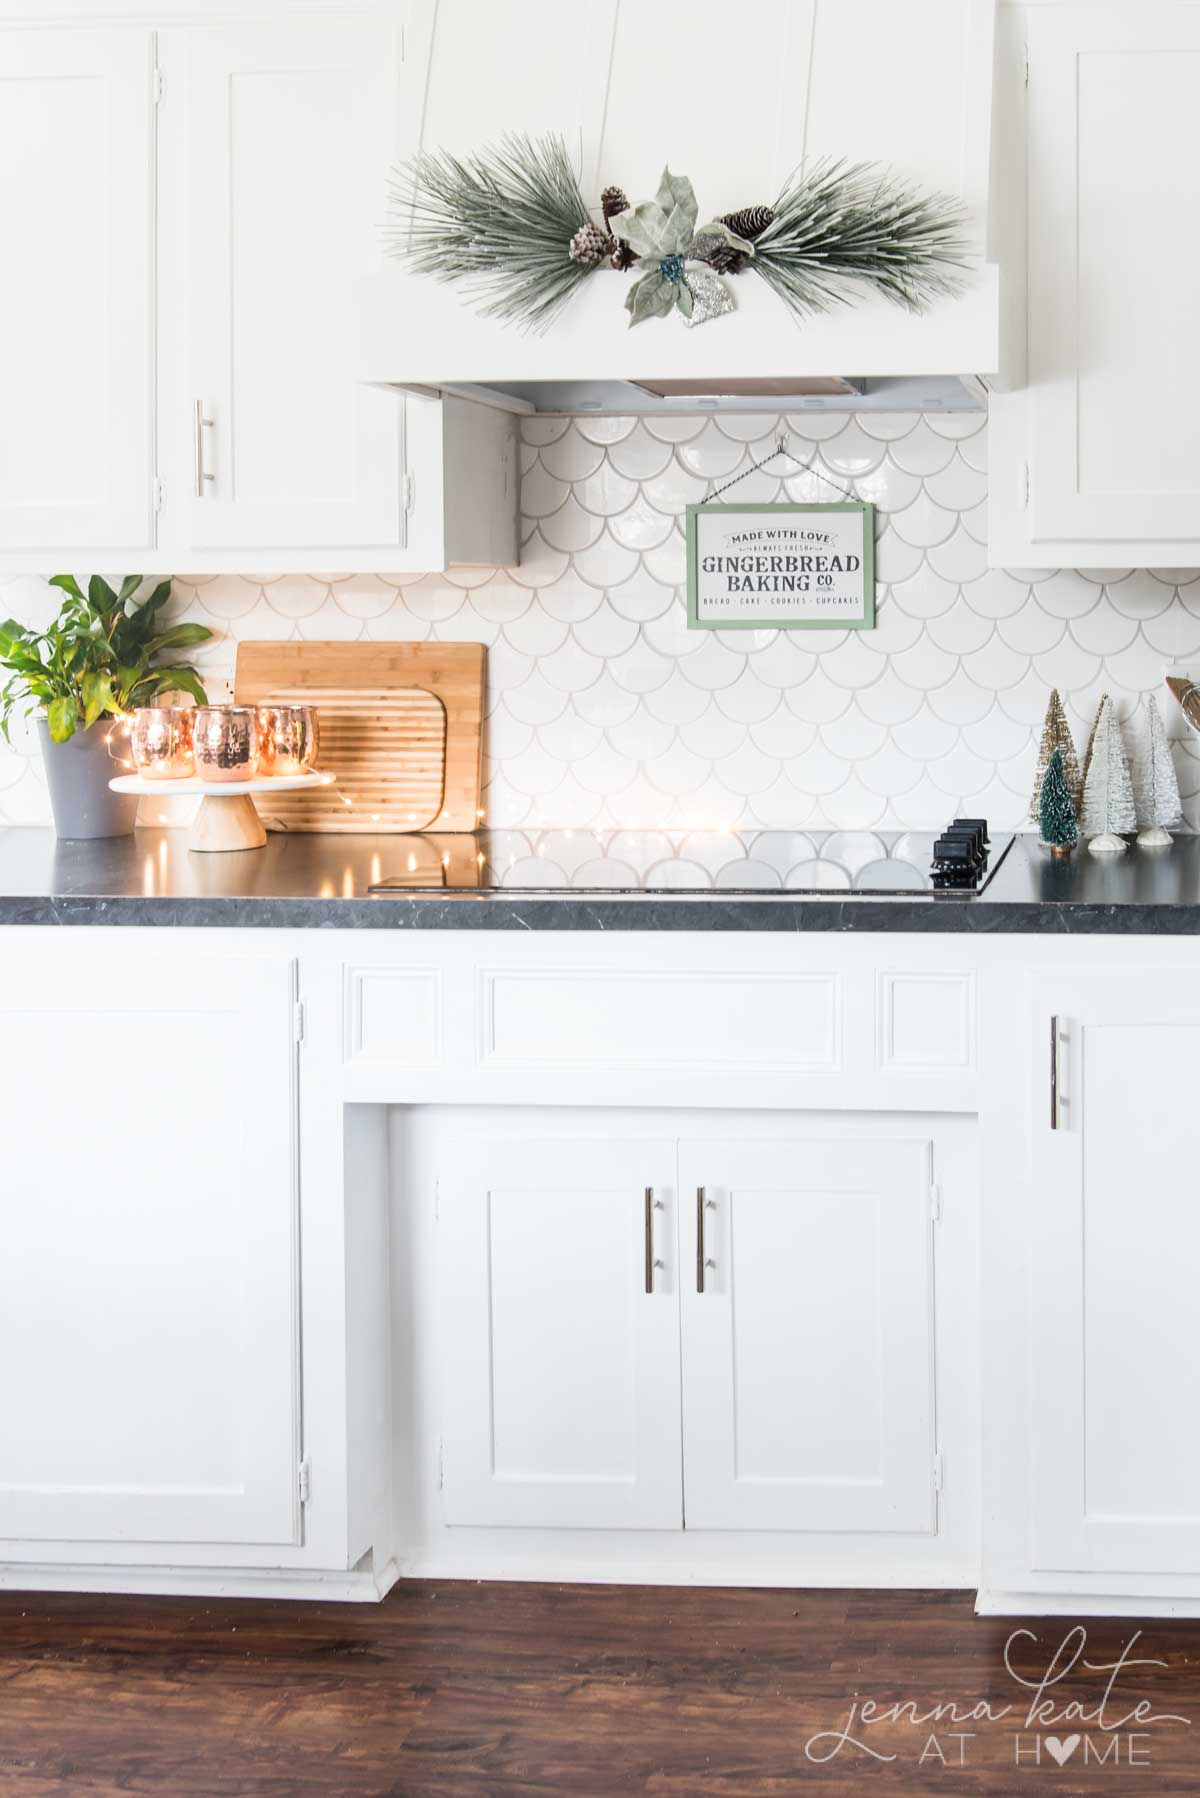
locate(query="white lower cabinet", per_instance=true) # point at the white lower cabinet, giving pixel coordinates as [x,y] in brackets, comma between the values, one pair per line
[1114,1252]
[148,1279]
[717,1334]
[807,1335]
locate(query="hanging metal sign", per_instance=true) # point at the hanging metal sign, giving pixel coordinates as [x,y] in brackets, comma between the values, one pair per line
[781,566]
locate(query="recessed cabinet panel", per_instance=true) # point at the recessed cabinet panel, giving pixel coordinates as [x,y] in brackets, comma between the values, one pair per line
[1115,1247]
[148,1326]
[807,1336]
[288,140]
[77,147]
[560,1343]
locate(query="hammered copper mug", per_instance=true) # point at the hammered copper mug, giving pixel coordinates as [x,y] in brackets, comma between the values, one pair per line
[288,739]
[160,741]
[225,742]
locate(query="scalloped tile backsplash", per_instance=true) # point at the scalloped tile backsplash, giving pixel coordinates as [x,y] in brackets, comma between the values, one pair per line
[604,710]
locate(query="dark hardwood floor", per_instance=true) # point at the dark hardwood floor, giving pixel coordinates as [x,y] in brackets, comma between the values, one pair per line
[582,1690]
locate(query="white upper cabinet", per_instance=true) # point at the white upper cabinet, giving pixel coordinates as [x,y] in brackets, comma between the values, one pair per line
[288,131]
[1097,461]
[807,1335]
[1114,1249]
[76,302]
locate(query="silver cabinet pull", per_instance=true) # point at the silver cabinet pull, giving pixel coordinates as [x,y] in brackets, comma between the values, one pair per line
[652,1205]
[1054,1072]
[200,424]
[703,1204]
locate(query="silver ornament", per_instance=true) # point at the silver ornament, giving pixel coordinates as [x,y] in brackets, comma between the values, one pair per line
[710,296]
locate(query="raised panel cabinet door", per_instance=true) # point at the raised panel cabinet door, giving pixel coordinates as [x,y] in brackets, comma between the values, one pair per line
[289,133]
[148,1288]
[1115,1257]
[76,301]
[807,1323]
[559,1337]
[1113,346]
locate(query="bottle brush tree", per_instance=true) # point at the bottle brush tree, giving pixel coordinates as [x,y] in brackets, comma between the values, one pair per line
[1056,734]
[1108,808]
[1156,789]
[1056,808]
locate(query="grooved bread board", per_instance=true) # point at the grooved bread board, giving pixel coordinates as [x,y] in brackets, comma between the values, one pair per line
[401,728]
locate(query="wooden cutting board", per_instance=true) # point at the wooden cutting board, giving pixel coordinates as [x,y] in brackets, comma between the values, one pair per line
[401,728]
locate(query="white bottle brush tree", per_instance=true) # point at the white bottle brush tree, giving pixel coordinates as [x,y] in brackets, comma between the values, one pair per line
[1108,808]
[1159,807]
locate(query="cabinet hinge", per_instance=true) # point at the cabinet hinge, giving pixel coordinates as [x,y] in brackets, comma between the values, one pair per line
[1027,65]
[938,1472]
[1023,485]
[160,85]
[407,492]
[298,1020]
[935,1204]
[304,1482]
[156,493]
[441,1465]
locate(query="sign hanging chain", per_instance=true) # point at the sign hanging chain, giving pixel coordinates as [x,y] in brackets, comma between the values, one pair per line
[781,449]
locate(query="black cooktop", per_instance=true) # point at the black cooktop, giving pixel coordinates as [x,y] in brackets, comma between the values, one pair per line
[673,861]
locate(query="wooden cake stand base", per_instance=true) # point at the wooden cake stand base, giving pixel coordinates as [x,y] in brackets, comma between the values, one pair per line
[228,818]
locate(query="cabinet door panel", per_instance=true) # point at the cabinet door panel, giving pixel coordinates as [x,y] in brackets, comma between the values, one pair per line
[289,136]
[1115,454]
[808,1356]
[1115,1247]
[77,145]
[561,1372]
[147,1280]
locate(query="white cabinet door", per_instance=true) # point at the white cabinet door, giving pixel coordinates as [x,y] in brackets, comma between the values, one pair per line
[76,300]
[808,1393]
[1111,439]
[1115,1250]
[289,132]
[560,1337]
[148,1329]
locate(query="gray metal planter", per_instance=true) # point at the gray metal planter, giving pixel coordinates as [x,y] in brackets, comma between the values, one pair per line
[77,774]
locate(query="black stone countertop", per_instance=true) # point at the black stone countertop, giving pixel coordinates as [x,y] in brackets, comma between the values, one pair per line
[320,882]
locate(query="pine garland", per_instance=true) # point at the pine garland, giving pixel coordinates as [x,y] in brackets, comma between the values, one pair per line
[499,221]
[856,222]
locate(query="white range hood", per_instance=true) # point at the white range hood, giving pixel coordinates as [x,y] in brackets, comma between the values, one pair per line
[906,82]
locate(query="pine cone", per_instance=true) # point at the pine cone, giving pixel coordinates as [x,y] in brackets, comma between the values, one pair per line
[590,245]
[612,201]
[750,222]
[719,255]
[623,257]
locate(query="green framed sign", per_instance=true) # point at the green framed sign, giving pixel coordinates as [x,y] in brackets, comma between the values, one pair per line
[781,567]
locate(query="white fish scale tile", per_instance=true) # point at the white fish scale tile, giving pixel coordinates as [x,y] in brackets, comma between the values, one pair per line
[605,710]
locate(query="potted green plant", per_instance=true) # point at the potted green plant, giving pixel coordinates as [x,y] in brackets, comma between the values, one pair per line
[100,658]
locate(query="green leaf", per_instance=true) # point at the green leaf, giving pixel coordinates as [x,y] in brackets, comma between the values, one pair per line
[651,297]
[62,715]
[97,698]
[68,583]
[180,680]
[180,636]
[129,586]
[101,594]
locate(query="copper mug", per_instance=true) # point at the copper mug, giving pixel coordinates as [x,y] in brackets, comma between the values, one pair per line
[225,742]
[288,739]
[160,741]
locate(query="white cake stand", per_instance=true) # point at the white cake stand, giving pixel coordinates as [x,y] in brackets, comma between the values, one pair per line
[227,818]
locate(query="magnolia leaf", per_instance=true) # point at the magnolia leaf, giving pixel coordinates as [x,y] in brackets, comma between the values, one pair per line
[677,199]
[645,231]
[683,298]
[62,715]
[651,297]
